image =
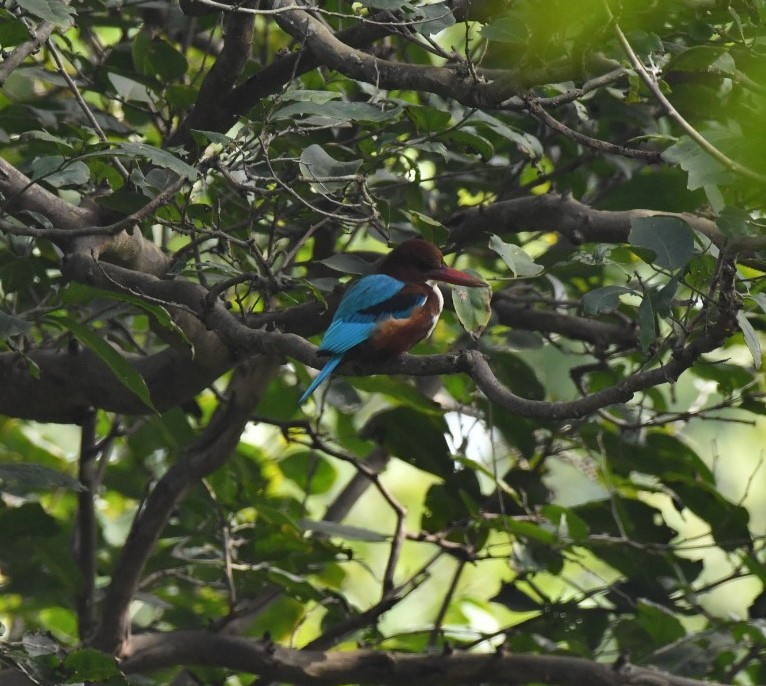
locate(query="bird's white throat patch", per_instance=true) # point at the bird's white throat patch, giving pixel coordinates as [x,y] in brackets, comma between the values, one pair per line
[440,302]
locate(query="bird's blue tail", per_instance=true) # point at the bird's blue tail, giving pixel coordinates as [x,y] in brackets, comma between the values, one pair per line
[333,362]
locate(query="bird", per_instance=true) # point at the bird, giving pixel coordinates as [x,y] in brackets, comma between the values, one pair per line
[383,315]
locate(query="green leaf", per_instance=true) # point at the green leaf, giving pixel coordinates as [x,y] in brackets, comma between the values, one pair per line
[351,533]
[524,142]
[436,17]
[12,30]
[28,136]
[701,58]
[751,338]
[80,293]
[428,118]
[670,238]
[506,30]
[54,11]
[121,368]
[415,437]
[661,624]
[58,172]
[703,170]
[472,306]
[36,477]
[316,163]
[12,326]
[340,111]
[665,296]
[519,376]
[517,260]
[431,229]
[89,664]
[390,5]
[565,518]
[160,157]
[155,57]
[204,136]
[312,472]
[347,263]
[604,299]
[729,523]
[129,89]
[733,221]
[468,138]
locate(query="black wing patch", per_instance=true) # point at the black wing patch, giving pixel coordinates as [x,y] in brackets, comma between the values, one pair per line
[399,306]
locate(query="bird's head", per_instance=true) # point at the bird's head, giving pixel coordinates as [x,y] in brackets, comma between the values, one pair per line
[418,261]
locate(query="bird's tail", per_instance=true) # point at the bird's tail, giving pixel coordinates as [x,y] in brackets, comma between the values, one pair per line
[333,362]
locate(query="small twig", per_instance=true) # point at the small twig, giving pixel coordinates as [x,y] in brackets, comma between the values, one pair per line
[436,630]
[226,546]
[84,106]
[596,144]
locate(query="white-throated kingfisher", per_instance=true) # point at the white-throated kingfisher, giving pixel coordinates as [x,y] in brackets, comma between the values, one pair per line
[386,313]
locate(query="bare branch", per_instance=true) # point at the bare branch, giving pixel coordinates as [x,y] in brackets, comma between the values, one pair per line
[604,147]
[573,219]
[149,651]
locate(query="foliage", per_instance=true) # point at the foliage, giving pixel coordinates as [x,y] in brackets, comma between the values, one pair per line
[566,470]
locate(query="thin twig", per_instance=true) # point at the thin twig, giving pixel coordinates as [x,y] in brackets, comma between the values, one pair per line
[84,106]
[673,113]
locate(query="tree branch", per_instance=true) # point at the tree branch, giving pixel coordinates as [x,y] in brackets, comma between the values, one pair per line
[147,652]
[571,218]
[205,455]
[21,52]
[333,53]
[245,340]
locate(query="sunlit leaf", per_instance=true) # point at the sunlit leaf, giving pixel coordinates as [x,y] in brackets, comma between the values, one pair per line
[472,306]
[517,260]
[352,533]
[751,338]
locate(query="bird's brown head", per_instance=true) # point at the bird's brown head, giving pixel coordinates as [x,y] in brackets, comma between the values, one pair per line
[417,261]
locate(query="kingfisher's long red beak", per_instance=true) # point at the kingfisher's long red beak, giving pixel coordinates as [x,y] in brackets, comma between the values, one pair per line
[450,275]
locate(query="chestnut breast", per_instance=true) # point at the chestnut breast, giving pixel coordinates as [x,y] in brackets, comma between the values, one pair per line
[396,336]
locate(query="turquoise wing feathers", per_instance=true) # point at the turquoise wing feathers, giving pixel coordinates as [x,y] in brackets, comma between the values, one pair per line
[369,301]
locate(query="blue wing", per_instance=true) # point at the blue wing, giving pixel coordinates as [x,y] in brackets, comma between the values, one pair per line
[370,300]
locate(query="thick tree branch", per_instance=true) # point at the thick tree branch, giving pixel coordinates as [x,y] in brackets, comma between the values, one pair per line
[571,218]
[205,455]
[23,194]
[523,316]
[149,652]
[219,116]
[210,107]
[126,247]
[333,53]
[246,341]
